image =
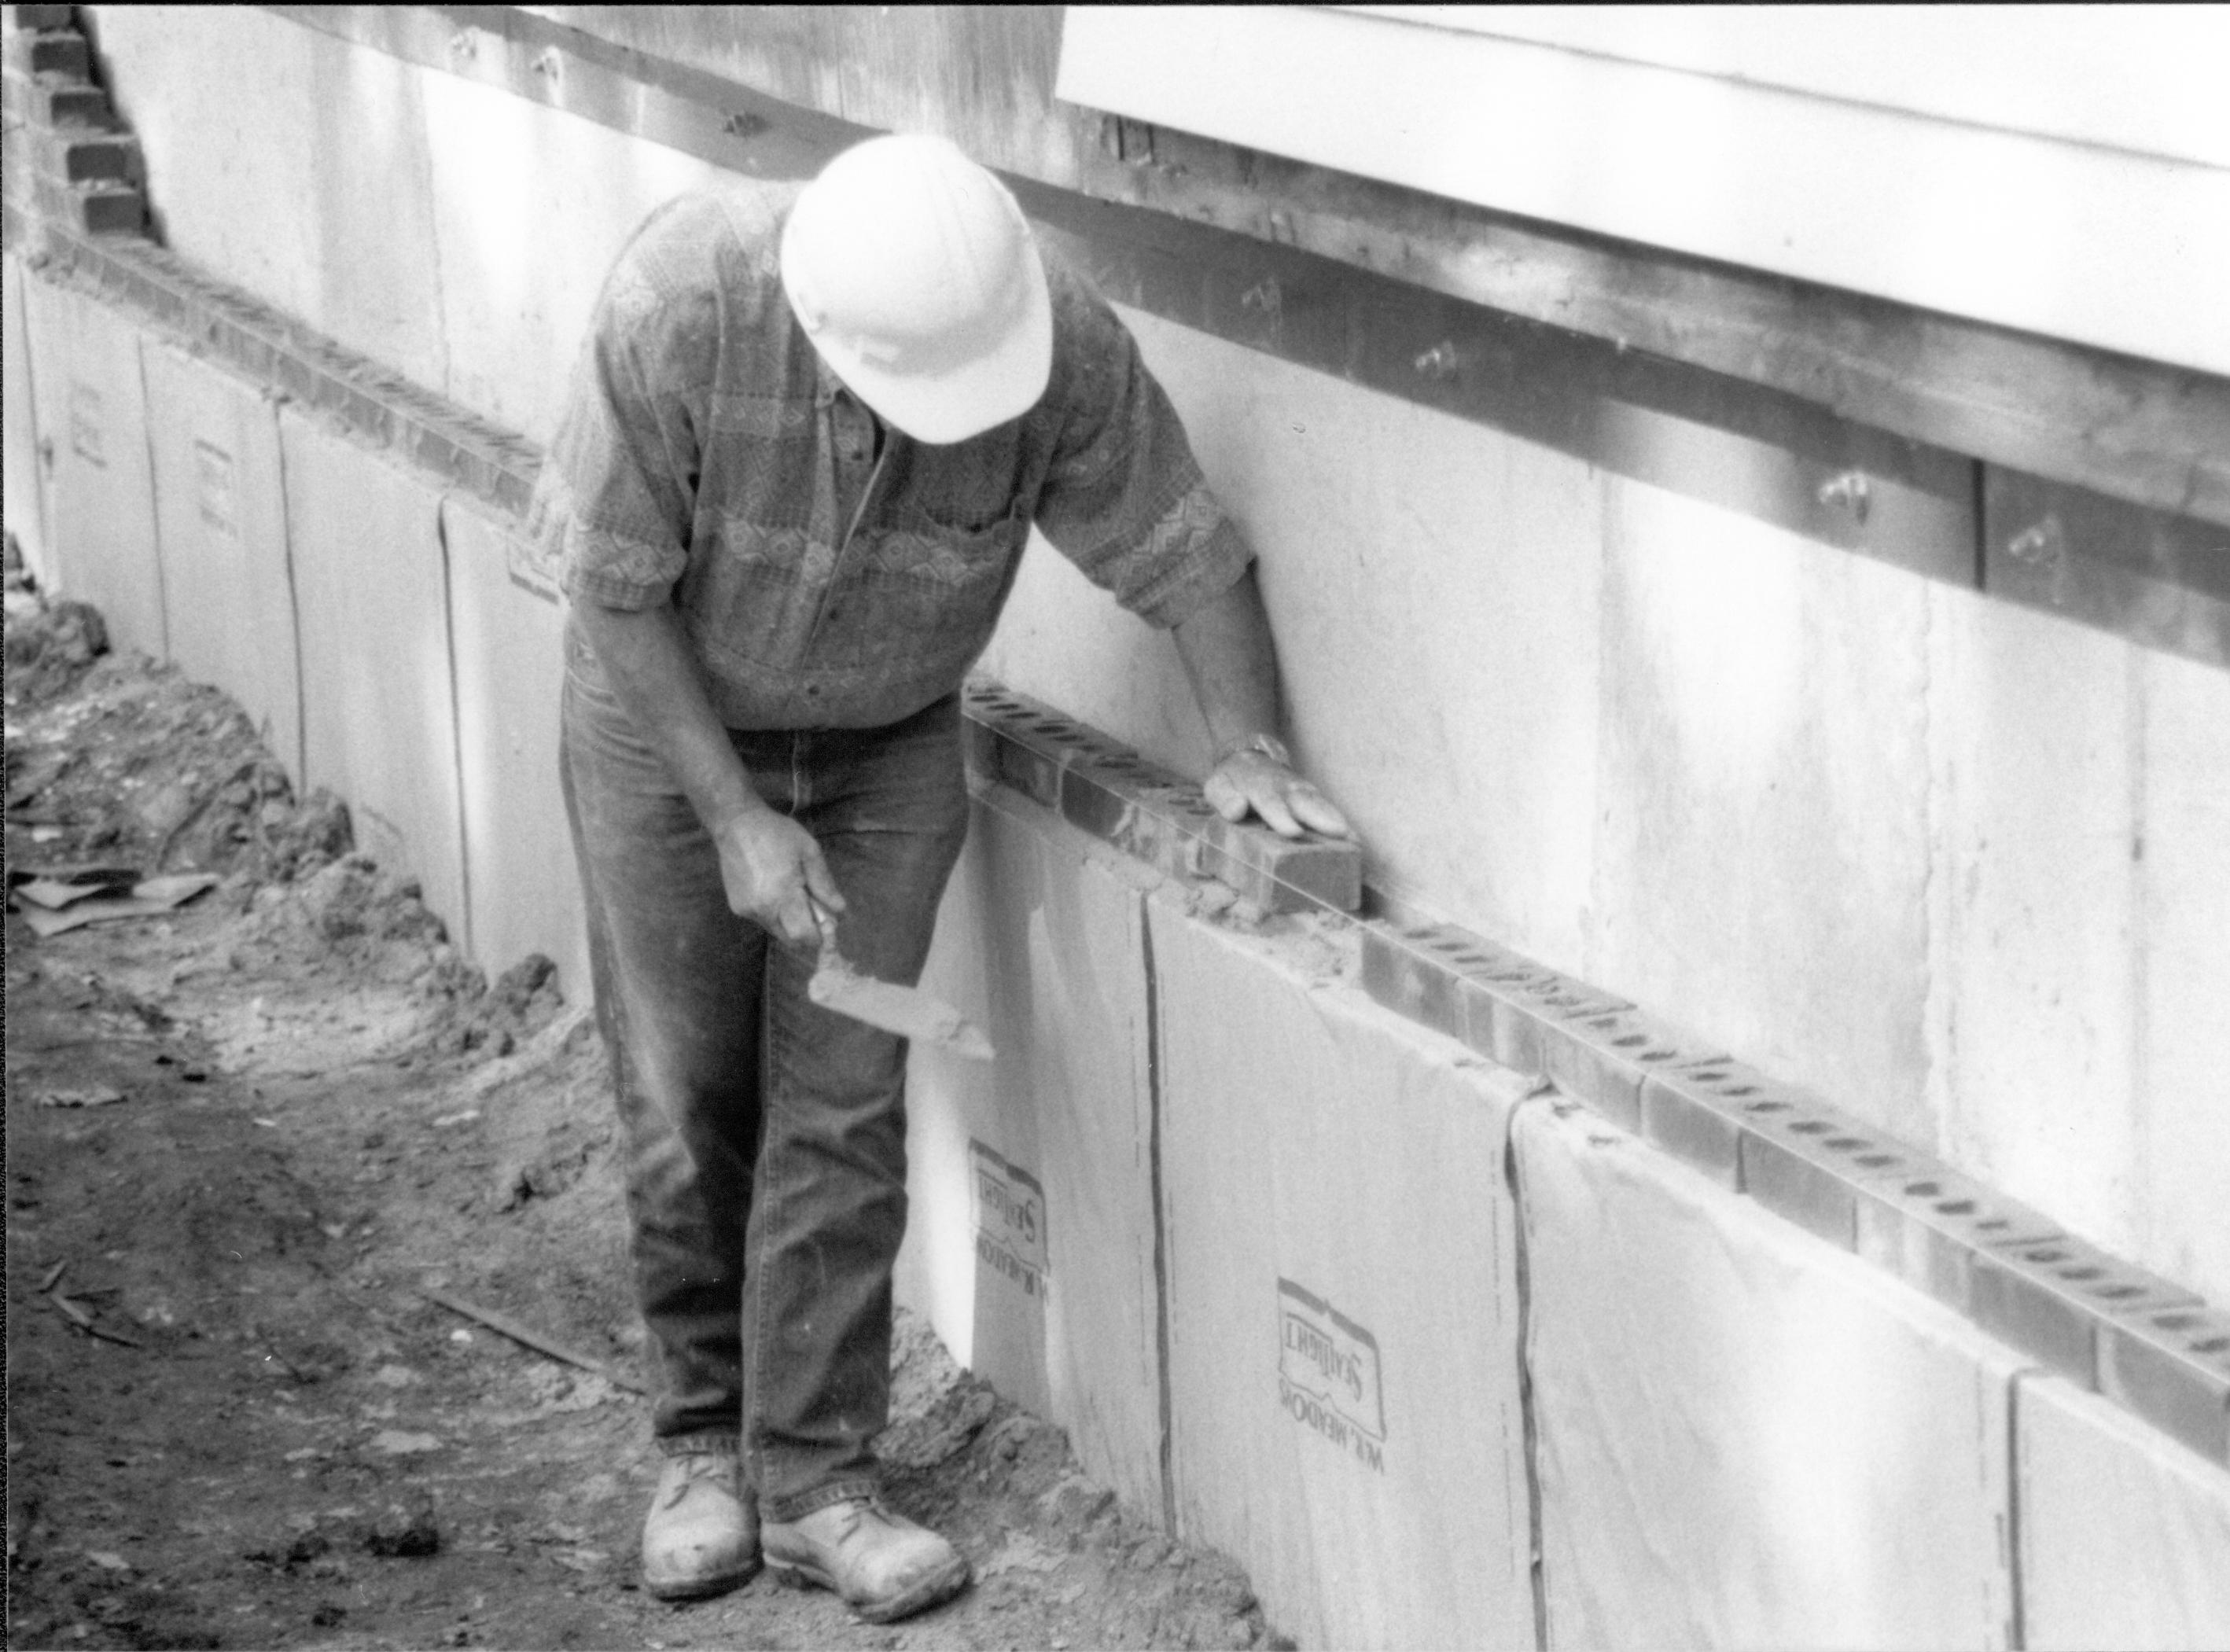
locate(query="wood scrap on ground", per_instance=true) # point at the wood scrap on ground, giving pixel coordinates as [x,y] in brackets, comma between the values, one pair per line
[527,1337]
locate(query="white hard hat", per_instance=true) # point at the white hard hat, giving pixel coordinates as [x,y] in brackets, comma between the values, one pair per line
[912,270]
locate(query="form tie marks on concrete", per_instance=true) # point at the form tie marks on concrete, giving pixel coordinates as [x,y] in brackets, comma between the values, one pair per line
[1328,1379]
[1010,1220]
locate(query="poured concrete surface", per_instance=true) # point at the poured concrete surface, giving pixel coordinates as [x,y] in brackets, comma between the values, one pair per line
[508,181]
[523,895]
[221,508]
[1342,1298]
[1763,835]
[2124,1536]
[1031,1244]
[2035,726]
[378,714]
[92,420]
[1746,1437]
[1433,588]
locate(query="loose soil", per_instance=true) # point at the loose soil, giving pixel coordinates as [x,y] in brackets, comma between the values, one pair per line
[243,1140]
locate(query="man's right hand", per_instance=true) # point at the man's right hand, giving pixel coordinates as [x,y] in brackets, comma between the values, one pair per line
[768,863]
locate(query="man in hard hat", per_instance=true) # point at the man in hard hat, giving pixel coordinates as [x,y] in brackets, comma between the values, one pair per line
[809,432]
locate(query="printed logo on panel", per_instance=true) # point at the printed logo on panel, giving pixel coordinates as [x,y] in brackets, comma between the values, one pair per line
[86,425]
[1010,1222]
[213,488]
[1328,1374]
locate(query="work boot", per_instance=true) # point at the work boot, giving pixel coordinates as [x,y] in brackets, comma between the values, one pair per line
[701,1536]
[884,1566]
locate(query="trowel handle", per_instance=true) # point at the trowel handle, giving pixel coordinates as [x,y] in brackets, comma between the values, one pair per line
[825,921]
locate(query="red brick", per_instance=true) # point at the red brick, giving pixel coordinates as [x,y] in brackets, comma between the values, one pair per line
[55,101]
[50,51]
[34,18]
[100,208]
[76,154]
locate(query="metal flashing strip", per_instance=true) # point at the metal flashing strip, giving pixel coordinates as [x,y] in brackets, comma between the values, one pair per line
[1178,239]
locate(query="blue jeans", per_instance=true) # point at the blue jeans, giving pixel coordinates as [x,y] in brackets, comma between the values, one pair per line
[765,1135]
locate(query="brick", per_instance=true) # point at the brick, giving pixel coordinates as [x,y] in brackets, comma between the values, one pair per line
[49,51]
[1029,771]
[56,100]
[1808,1163]
[1692,1128]
[1603,1060]
[2171,1366]
[2050,1298]
[76,154]
[1495,1022]
[1120,817]
[1531,1013]
[100,208]
[37,18]
[1281,874]
[1399,975]
[1926,1228]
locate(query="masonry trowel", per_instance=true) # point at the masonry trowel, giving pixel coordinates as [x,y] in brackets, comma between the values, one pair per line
[908,1011]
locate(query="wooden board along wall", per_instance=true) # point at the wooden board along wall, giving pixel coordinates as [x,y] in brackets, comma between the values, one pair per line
[379,713]
[1031,1244]
[1342,1297]
[220,514]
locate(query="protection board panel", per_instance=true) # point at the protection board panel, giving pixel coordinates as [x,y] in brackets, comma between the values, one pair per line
[1342,1297]
[1745,1437]
[509,644]
[379,713]
[221,513]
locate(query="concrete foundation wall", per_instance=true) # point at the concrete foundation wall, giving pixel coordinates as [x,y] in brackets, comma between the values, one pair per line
[1963,868]
[1949,863]
[1300,1277]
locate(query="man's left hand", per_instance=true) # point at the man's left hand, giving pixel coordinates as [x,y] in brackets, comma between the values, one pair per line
[1251,783]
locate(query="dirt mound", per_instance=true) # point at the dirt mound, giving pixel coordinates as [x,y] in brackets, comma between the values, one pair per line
[245,1141]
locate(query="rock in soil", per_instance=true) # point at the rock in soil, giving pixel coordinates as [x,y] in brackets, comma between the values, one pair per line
[249,1428]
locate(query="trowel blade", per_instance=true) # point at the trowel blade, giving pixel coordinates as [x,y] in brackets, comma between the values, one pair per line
[908,1011]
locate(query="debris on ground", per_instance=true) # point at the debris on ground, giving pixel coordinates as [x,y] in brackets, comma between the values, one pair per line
[249,1135]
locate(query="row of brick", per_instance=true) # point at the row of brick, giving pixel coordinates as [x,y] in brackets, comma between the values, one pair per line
[380,406]
[69,161]
[2145,1343]
[1152,813]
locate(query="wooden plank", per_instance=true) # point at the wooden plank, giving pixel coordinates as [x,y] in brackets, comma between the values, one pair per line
[2137,430]
[1957,217]
[769,98]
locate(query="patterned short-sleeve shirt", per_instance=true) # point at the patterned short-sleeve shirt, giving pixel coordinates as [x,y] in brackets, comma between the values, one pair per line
[704,457]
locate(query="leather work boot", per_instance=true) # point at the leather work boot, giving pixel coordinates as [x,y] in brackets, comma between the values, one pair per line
[884,1566]
[701,1536]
